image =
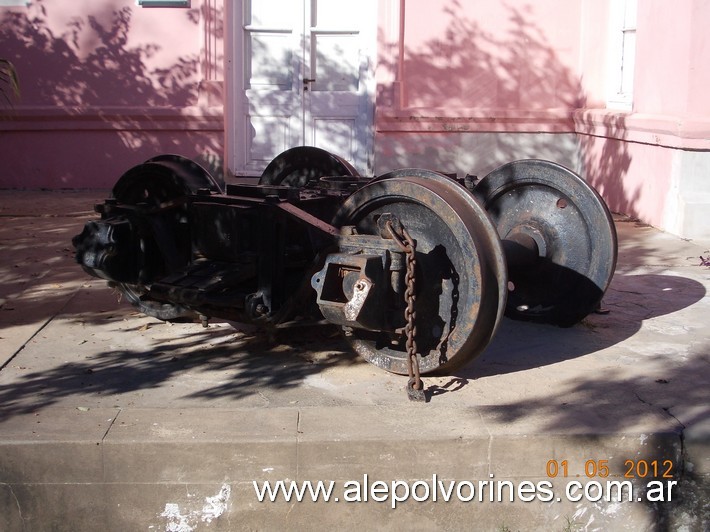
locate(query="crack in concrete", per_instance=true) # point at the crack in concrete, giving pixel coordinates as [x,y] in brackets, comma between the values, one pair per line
[665,409]
[683,458]
[41,328]
[110,426]
[17,503]
[681,435]
[103,438]
[489,454]
[298,444]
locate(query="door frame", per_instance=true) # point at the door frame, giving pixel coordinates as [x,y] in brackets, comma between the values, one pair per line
[235,134]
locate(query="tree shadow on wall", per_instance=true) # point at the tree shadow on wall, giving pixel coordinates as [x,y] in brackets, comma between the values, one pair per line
[90,69]
[62,70]
[517,74]
[606,161]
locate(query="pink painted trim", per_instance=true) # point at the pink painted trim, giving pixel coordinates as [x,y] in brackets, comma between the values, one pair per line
[656,130]
[475,120]
[113,118]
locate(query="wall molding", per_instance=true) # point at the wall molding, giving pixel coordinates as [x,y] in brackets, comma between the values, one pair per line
[113,119]
[448,120]
[658,130]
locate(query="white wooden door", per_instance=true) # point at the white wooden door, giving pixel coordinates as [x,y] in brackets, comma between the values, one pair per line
[303,78]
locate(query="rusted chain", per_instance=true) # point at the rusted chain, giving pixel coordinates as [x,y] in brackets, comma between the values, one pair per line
[415,386]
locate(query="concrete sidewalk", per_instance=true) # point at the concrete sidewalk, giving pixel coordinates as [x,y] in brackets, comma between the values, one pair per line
[114,421]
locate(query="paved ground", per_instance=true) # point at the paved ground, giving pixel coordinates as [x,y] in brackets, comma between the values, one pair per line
[111,420]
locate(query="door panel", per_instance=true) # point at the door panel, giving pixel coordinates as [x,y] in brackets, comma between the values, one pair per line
[334,135]
[269,60]
[336,62]
[338,108]
[269,100]
[267,136]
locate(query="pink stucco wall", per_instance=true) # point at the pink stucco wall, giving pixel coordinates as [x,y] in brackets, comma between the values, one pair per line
[103,53]
[479,66]
[461,57]
[673,78]
[467,86]
[639,159]
[452,74]
[627,176]
[105,85]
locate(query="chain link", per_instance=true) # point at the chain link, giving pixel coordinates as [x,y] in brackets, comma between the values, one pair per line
[415,386]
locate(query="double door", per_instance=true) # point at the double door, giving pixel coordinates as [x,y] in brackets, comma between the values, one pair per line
[303,78]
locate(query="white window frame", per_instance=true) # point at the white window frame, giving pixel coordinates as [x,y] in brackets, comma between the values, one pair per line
[622,53]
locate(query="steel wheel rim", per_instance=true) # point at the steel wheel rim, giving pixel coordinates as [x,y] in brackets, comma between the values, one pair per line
[580,239]
[297,166]
[470,300]
[158,180]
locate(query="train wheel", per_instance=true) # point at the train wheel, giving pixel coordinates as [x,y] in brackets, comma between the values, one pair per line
[559,239]
[160,179]
[460,273]
[297,166]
